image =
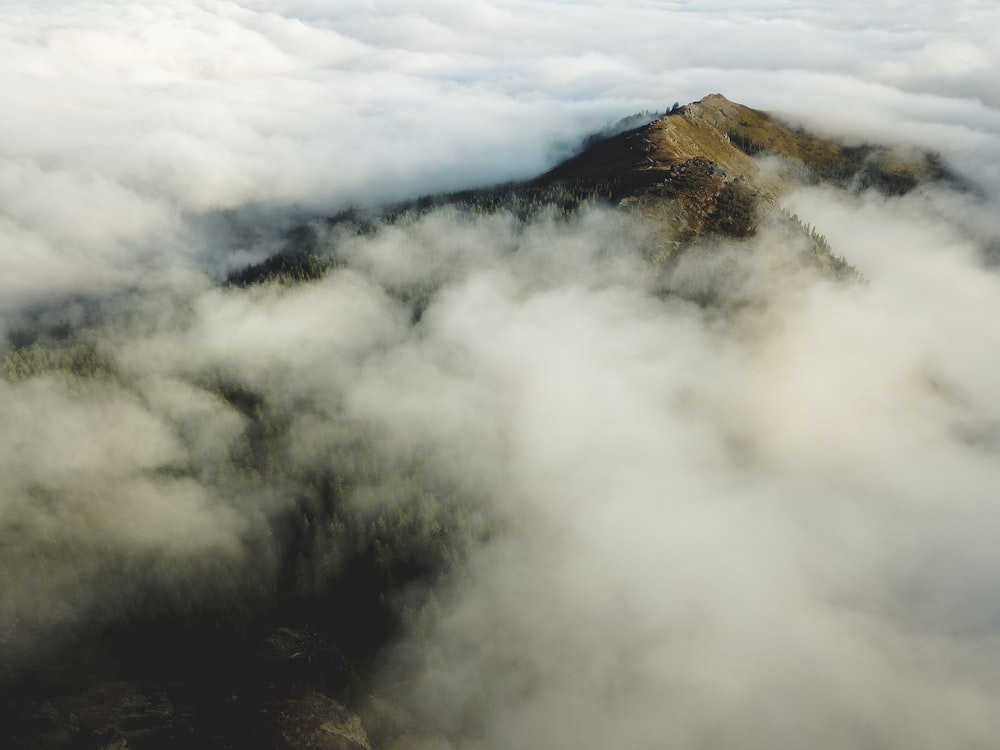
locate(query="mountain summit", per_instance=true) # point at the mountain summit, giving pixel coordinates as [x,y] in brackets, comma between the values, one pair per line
[728,135]
[697,170]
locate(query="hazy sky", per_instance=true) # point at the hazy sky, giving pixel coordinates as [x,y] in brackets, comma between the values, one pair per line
[775,529]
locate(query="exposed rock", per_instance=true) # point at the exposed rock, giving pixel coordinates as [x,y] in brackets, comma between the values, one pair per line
[315,722]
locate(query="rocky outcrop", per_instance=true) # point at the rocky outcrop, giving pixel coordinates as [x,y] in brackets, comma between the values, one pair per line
[316,722]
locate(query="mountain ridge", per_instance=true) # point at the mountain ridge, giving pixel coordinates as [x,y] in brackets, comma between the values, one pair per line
[729,134]
[343,540]
[713,168]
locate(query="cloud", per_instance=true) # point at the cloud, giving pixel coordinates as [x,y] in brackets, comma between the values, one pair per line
[719,530]
[762,521]
[764,524]
[124,118]
[697,523]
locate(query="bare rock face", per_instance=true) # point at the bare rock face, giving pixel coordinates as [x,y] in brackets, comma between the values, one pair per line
[315,722]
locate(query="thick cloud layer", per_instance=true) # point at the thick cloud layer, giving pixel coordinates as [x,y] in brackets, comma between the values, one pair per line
[123,119]
[762,530]
[765,527]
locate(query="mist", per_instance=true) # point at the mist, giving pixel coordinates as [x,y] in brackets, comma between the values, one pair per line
[757,523]
[762,522]
[126,121]
[754,531]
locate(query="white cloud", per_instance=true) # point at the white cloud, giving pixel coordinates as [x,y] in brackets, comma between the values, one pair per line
[721,528]
[770,529]
[200,106]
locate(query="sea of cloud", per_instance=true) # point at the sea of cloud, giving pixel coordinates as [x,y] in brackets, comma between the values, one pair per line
[122,120]
[766,528]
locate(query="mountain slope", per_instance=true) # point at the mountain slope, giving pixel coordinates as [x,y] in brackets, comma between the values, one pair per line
[728,134]
[274,415]
[695,173]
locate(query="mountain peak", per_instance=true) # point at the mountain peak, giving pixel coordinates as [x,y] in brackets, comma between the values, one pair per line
[695,170]
[729,134]
[694,130]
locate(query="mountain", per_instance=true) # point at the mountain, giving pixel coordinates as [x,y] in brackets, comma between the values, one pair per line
[709,169]
[728,134]
[338,543]
[693,170]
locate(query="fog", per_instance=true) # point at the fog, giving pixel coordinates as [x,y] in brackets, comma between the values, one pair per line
[766,523]
[124,120]
[749,532]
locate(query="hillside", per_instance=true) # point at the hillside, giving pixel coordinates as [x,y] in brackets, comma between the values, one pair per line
[726,135]
[283,476]
[696,173]
[693,171]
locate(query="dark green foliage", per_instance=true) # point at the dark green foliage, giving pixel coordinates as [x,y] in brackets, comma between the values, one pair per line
[735,212]
[821,252]
[302,260]
[631,122]
[873,177]
[335,557]
[744,143]
[346,536]
[72,356]
[285,268]
[297,261]
[323,581]
[858,168]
